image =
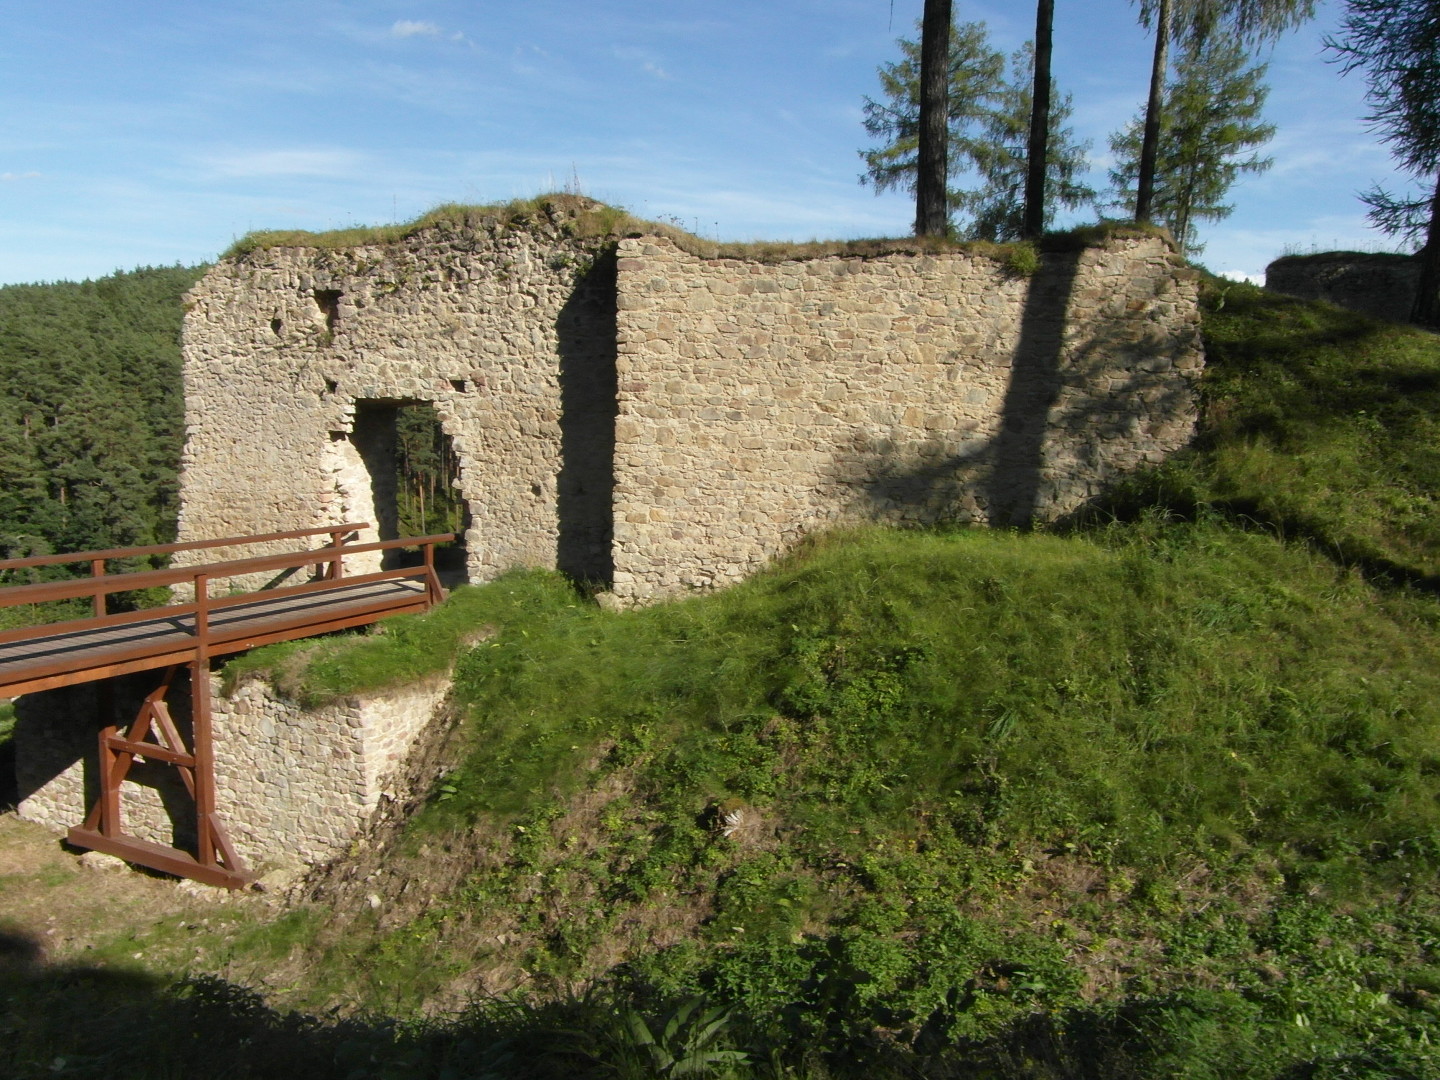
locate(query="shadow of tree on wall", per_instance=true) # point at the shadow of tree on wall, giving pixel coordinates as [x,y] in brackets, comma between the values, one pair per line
[1012,490]
[1069,414]
[586,331]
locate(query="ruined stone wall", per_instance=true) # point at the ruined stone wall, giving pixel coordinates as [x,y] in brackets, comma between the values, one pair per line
[509,332]
[658,421]
[293,785]
[637,416]
[757,402]
[1379,285]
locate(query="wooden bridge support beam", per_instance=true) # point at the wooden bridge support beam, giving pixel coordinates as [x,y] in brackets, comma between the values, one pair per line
[154,736]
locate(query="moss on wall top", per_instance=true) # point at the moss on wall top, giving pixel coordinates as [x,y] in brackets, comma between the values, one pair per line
[578,217]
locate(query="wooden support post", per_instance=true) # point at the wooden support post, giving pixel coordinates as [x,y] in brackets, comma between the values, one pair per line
[97,570]
[434,592]
[108,804]
[337,560]
[200,726]
[154,736]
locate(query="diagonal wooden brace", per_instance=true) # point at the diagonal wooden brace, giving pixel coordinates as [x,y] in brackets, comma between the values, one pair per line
[154,736]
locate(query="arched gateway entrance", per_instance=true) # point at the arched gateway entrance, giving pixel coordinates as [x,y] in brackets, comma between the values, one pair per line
[398,469]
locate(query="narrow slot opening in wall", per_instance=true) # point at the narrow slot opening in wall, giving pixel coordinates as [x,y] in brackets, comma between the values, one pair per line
[413,476]
[328,301]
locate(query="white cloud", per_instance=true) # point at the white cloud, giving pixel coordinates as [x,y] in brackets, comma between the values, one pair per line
[262,163]
[20,176]
[404,28]
[645,60]
[1241,275]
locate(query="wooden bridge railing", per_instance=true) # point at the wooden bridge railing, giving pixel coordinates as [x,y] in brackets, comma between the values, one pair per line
[153,734]
[339,535]
[328,561]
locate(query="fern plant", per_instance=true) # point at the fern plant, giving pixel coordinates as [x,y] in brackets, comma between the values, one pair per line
[689,1044]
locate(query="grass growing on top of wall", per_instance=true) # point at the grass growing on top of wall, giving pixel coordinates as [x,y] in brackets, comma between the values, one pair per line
[582,218]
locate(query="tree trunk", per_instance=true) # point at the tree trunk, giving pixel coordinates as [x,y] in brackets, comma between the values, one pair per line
[1034,223]
[1426,311]
[1150,146]
[932,215]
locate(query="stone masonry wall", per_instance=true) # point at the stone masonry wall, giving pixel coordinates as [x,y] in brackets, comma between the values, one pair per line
[657,421]
[758,402]
[293,785]
[630,414]
[1379,285]
[500,328]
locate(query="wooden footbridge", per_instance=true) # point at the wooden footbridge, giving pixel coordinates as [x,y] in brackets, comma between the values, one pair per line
[189,634]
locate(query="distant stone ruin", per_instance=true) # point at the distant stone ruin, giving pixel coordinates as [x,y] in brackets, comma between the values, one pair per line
[656,421]
[1376,284]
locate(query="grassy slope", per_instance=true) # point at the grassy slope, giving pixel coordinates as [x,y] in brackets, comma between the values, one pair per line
[1177,770]
[1152,798]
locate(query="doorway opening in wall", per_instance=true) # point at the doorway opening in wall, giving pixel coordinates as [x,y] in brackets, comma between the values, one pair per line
[414,476]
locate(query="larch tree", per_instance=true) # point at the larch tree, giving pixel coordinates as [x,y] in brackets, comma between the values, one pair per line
[1251,22]
[932,215]
[998,207]
[988,126]
[1210,130]
[1397,44]
[1038,160]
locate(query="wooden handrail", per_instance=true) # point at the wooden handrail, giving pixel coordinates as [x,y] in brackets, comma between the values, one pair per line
[177,612]
[45,592]
[166,549]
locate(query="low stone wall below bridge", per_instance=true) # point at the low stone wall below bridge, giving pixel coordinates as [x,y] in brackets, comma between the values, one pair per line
[293,785]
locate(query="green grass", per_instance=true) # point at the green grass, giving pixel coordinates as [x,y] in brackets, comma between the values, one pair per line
[1321,425]
[1150,796]
[582,218]
[1163,792]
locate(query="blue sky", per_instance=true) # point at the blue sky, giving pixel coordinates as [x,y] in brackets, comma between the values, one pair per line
[148,132]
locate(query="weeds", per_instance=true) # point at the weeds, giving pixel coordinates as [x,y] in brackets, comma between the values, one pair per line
[581,218]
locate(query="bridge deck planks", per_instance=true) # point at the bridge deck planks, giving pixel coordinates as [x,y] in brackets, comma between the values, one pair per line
[61,658]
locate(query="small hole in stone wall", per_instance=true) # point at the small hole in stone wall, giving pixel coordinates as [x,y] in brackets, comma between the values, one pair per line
[331,386]
[277,326]
[328,301]
[459,385]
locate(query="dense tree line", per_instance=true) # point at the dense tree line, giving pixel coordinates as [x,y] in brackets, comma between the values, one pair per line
[92,420]
[91,412]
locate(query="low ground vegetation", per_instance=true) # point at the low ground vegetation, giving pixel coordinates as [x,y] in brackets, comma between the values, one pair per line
[1150,795]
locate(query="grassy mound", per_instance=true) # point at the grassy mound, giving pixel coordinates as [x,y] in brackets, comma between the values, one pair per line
[909,795]
[1153,796]
[1321,425]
